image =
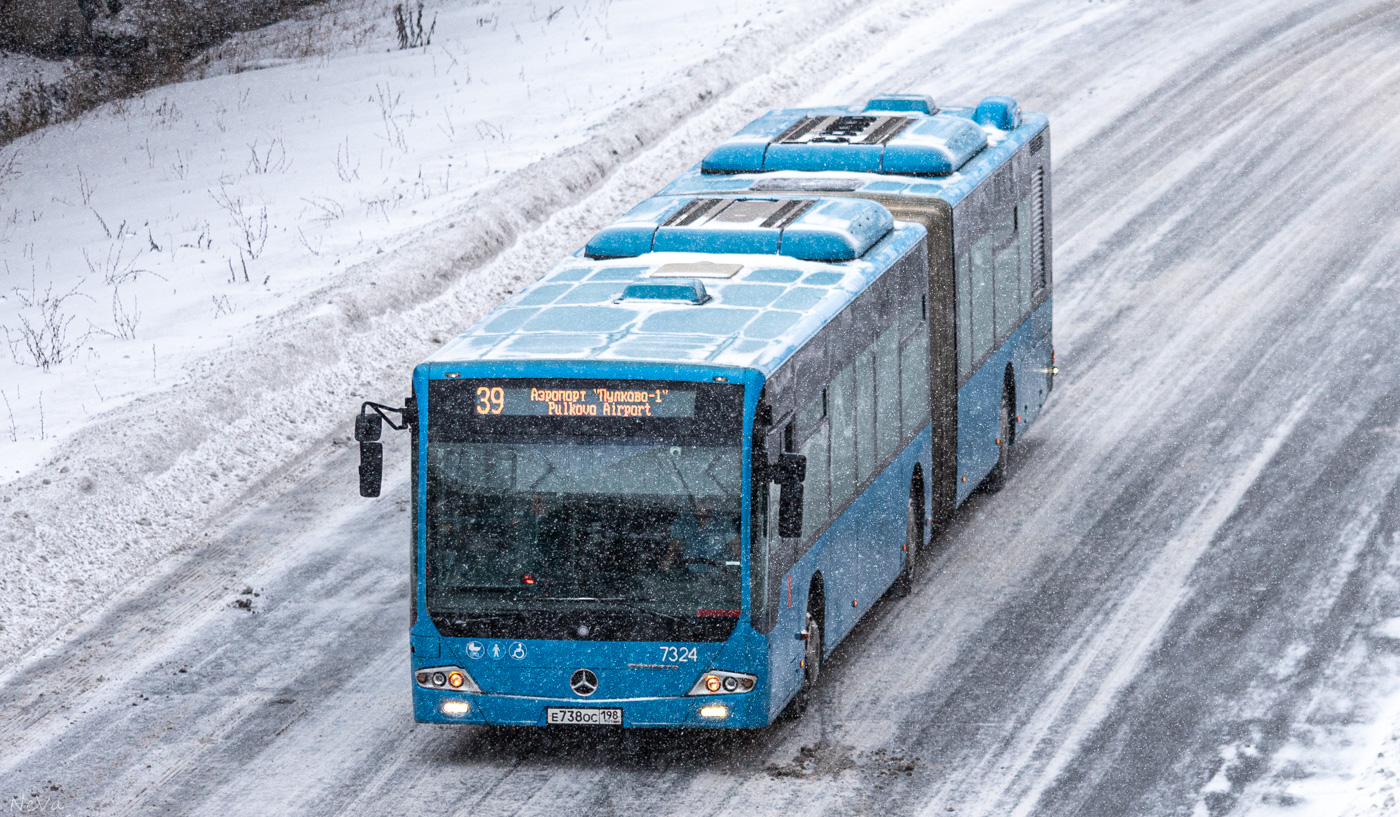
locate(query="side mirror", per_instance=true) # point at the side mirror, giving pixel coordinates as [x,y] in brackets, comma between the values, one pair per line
[790,468]
[790,510]
[368,427]
[371,468]
[789,473]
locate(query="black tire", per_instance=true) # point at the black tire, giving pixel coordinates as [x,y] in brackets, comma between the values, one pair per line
[811,667]
[913,539]
[996,480]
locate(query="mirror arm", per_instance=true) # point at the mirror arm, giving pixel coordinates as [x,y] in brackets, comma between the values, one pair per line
[405,414]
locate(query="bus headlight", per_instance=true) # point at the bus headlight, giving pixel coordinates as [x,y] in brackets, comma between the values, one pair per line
[455,679]
[719,682]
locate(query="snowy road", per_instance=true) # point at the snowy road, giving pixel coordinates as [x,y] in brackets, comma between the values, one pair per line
[1178,588]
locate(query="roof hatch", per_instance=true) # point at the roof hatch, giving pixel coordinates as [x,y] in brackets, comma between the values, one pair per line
[808,229]
[903,134]
[686,290]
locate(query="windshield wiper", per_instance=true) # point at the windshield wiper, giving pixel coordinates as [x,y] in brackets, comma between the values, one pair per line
[625,601]
[481,618]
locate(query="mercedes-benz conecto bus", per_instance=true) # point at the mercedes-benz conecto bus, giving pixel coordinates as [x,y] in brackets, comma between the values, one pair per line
[659,485]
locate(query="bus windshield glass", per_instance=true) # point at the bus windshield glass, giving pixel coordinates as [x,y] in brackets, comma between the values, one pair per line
[584,509]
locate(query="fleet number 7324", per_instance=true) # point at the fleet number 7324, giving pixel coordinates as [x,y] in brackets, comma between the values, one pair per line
[677,655]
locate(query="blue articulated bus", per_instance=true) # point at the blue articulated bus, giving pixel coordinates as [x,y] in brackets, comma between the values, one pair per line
[656,487]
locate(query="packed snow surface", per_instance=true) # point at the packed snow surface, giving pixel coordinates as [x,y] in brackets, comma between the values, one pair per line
[1184,601]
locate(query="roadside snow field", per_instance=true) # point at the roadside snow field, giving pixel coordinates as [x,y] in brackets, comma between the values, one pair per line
[147,234]
[227,249]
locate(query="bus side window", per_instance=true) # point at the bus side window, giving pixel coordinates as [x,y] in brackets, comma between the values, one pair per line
[913,302]
[913,387]
[983,330]
[887,393]
[865,414]
[964,270]
[1023,241]
[813,434]
[843,437]
[1008,284]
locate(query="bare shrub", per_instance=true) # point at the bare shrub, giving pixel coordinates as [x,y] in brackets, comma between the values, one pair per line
[30,105]
[9,166]
[410,27]
[85,188]
[115,268]
[271,158]
[389,112]
[329,208]
[250,222]
[181,166]
[14,432]
[44,339]
[124,319]
[346,168]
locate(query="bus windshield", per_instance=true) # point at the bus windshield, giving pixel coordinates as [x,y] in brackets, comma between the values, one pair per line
[603,517]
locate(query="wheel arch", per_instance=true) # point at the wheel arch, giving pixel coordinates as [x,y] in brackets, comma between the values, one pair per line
[816,600]
[1008,390]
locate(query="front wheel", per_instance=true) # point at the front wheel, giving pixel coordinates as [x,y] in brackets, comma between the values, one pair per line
[811,667]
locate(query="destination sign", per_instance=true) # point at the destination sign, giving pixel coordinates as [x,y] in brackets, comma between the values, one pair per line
[584,401]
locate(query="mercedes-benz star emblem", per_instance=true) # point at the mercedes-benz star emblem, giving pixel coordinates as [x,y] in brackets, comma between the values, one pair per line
[583,682]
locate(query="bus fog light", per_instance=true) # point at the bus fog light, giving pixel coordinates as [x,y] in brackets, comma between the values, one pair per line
[714,711]
[457,708]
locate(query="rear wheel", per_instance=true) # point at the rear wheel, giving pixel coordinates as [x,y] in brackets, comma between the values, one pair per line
[913,538]
[996,480]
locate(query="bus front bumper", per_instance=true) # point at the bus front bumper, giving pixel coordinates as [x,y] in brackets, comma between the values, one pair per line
[736,711]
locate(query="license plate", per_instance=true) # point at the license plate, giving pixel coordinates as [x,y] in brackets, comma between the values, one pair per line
[583,717]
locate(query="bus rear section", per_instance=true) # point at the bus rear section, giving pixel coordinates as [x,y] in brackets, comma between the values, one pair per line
[978,179]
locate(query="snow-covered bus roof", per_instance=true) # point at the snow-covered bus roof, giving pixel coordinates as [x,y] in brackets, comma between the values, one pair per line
[752,310]
[934,153]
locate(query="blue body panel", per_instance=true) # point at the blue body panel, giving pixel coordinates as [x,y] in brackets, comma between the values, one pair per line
[1027,351]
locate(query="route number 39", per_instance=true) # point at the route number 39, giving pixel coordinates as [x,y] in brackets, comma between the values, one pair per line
[490,400]
[677,655]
